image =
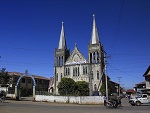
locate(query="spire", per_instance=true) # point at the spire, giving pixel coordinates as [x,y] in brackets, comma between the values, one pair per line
[95,37]
[62,41]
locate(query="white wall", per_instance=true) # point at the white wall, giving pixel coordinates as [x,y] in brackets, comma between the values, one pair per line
[71,99]
[11,96]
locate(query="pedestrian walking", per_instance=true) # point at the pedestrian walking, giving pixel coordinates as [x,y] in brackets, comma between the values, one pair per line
[105,99]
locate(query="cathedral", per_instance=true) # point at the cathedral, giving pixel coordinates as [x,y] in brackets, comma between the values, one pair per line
[74,65]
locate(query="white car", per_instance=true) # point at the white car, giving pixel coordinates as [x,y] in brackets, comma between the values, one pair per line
[142,99]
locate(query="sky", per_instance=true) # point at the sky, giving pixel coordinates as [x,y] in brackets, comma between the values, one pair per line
[30,32]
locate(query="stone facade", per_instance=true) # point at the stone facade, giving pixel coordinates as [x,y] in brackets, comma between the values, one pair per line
[75,65]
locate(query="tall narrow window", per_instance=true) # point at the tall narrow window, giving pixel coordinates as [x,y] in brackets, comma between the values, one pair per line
[73,71]
[90,57]
[58,61]
[93,58]
[92,75]
[95,87]
[68,71]
[98,58]
[85,69]
[57,77]
[98,75]
[62,61]
[61,75]
[78,71]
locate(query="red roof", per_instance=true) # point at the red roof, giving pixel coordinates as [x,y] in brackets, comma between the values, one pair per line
[130,91]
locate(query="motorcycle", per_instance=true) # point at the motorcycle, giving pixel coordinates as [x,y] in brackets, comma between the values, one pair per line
[114,103]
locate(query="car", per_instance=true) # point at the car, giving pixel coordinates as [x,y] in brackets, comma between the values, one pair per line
[141,99]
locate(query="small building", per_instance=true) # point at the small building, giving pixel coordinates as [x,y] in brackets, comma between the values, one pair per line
[130,91]
[26,83]
[140,86]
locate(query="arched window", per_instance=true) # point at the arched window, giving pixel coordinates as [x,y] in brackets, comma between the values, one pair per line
[95,87]
[98,58]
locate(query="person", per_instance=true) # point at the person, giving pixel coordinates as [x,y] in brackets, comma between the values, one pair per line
[105,99]
[114,99]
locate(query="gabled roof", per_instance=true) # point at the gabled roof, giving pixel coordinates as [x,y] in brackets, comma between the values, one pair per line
[147,73]
[76,57]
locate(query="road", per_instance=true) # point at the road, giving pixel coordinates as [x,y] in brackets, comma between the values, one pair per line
[12,106]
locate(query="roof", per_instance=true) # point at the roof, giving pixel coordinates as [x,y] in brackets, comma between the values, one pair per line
[76,57]
[95,37]
[147,72]
[130,91]
[20,74]
[62,41]
[115,83]
[142,83]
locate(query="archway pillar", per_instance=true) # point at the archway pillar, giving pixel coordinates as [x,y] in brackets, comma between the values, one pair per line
[16,92]
[33,92]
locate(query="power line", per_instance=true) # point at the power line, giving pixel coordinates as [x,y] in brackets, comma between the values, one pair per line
[117,28]
[124,72]
[27,49]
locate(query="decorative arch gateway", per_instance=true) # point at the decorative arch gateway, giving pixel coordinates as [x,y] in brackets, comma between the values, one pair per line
[34,84]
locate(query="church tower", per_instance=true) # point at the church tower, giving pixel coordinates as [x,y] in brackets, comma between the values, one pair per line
[95,59]
[61,55]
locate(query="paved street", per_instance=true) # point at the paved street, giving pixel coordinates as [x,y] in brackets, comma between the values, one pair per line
[12,106]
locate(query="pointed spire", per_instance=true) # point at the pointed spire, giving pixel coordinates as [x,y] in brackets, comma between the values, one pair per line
[95,37]
[62,41]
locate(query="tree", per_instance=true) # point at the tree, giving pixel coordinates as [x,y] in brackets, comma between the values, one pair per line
[4,78]
[66,86]
[111,86]
[82,88]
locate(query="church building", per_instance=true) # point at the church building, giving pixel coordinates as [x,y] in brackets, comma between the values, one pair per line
[74,65]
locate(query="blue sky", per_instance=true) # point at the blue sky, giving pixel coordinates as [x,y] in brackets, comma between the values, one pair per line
[30,31]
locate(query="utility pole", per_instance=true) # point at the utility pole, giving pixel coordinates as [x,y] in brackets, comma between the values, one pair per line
[119,86]
[106,76]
